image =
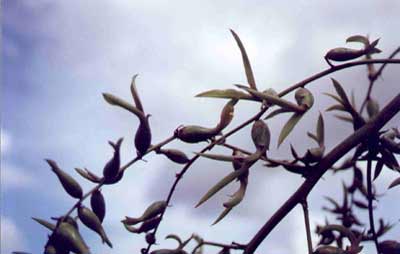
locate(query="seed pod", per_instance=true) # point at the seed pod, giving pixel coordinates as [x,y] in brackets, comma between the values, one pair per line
[147,225]
[90,220]
[261,135]
[71,186]
[328,250]
[111,169]
[372,108]
[226,115]
[143,136]
[150,238]
[389,247]
[168,251]
[194,134]
[98,204]
[174,155]
[69,236]
[343,54]
[304,97]
[153,210]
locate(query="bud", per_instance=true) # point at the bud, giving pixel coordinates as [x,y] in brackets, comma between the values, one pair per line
[143,136]
[91,221]
[98,204]
[111,169]
[261,135]
[195,134]
[304,97]
[343,54]
[328,250]
[69,236]
[71,186]
[226,115]
[153,210]
[174,155]
[389,247]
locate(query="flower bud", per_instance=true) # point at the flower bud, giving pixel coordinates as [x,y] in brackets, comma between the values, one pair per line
[143,136]
[111,169]
[174,155]
[343,54]
[90,220]
[71,186]
[261,135]
[98,204]
[195,134]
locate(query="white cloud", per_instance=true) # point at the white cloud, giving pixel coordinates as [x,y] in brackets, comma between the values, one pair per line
[5,141]
[11,236]
[14,177]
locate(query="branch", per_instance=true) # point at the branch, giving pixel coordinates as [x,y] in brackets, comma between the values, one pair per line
[304,205]
[370,207]
[340,150]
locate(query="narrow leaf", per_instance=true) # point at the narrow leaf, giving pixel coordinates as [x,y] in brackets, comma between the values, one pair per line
[395,183]
[222,215]
[277,112]
[358,38]
[246,62]
[341,93]
[45,223]
[345,118]
[135,94]
[288,127]
[338,107]
[334,97]
[221,184]
[218,157]
[378,169]
[115,101]
[226,94]
[321,130]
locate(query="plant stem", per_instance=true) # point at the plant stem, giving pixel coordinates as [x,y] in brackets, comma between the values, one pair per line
[374,78]
[370,200]
[318,170]
[304,205]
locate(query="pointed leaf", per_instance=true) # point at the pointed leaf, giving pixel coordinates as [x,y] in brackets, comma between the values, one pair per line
[321,130]
[341,93]
[221,184]
[395,183]
[135,94]
[246,62]
[222,215]
[288,127]
[345,118]
[226,94]
[45,223]
[277,112]
[115,101]
[359,38]
[334,97]
[378,169]
[218,157]
[338,107]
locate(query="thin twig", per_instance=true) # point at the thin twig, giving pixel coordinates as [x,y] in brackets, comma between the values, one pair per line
[370,205]
[374,77]
[304,205]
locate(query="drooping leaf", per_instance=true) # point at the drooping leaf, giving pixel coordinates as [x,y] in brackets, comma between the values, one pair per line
[246,62]
[288,127]
[222,215]
[226,94]
[222,183]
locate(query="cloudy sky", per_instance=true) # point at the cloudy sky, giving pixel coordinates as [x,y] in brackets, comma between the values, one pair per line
[59,56]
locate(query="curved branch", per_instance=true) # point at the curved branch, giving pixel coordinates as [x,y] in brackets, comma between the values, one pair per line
[340,150]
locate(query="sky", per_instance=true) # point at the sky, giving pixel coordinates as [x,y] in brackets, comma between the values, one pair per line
[58,57]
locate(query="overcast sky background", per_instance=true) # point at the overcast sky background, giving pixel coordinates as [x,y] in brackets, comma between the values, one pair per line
[59,56]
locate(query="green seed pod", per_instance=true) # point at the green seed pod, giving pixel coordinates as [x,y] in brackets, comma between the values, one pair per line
[304,97]
[226,115]
[111,169]
[261,135]
[389,247]
[90,220]
[98,204]
[147,225]
[372,108]
[195,134]
[174,155]
[143,136]
[328,250]
[343,54]
[153,210]
[69,236]
[71,186]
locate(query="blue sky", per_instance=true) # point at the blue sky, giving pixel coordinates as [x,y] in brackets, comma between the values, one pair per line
[59,56]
